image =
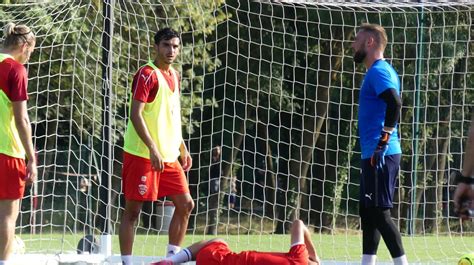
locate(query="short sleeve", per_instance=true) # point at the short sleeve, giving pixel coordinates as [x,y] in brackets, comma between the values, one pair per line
[18,83]
[382,80]
[144,83]
[178,77]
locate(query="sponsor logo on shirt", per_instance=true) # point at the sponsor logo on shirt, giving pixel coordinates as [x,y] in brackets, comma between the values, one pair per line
[142,189]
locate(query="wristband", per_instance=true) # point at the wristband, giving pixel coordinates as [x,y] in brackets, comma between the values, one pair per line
[384,137]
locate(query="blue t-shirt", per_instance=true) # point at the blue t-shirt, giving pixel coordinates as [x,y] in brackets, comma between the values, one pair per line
[380,77]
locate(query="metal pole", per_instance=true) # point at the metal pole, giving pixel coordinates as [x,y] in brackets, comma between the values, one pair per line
[106,169]
[416,132]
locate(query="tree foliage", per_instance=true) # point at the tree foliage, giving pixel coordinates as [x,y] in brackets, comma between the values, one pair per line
[273,83]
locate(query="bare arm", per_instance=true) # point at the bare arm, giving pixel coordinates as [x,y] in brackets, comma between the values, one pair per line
[468,165]
[464,191]
[22,122]
[300,234]
[313,256]
[186,159]
[142,131]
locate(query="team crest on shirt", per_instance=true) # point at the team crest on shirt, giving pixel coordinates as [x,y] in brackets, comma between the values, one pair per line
[143,178]
[142,189]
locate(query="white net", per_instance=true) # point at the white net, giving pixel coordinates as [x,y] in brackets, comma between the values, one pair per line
[274,85]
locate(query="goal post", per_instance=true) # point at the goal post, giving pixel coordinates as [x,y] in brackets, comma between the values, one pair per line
[273,83]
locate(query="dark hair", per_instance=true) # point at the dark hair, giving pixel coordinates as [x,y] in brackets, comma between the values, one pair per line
[165,34]
[16,35]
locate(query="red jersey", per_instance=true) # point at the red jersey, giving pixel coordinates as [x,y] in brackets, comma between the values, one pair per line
[218,253]
[13,80]
[145,83]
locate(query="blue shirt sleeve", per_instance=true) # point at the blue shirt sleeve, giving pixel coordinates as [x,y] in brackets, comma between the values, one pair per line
[382,80]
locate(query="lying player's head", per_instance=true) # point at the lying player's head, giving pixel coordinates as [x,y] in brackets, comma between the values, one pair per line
[19,40]
[371,37]
[167,44]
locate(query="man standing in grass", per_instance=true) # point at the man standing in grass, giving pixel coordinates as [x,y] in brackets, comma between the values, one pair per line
[15,131]
[379,111]
[153,143]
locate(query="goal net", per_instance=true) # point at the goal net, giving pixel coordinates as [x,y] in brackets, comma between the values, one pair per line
[274,85]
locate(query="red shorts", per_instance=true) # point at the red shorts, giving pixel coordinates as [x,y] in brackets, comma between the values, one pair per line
[12,177]
[218,253]
[141,183]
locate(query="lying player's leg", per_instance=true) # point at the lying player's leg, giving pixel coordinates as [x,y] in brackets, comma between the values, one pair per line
[191,253]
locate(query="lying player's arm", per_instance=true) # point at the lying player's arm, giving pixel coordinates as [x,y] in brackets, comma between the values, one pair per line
[313,256]
[142,131]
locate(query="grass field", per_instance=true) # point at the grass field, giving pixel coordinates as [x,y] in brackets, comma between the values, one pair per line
[426,249]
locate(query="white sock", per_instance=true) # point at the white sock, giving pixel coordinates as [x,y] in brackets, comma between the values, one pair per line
[181,257]
[126,260]
[172,250]
[402,260]
[368,259]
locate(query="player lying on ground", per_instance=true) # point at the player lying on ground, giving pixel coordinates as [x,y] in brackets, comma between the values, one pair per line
[217,252]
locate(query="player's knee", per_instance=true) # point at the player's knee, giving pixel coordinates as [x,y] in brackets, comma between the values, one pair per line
[8,224]
[219,240]
[131,214]
[185,208]
[189,206]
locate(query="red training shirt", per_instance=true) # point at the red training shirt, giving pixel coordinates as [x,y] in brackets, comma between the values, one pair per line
[145,83]
[13,80]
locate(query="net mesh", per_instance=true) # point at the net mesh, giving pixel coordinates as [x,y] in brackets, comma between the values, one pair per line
[274,85]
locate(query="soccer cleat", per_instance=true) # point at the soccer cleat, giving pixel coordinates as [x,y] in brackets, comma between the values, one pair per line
[162,262]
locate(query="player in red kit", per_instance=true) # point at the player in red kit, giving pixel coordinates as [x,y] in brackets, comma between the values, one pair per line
[17,156]
[217,252]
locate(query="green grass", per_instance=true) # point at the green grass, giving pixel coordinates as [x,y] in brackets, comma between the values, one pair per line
[426,249]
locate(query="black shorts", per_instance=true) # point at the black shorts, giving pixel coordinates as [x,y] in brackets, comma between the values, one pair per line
[377,187]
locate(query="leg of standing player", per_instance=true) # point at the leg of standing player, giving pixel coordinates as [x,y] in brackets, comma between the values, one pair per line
[377,190]
[368,196]
[174,186]
[370,236]
[382,216]
[8,214]
[184,204]
[126,230]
